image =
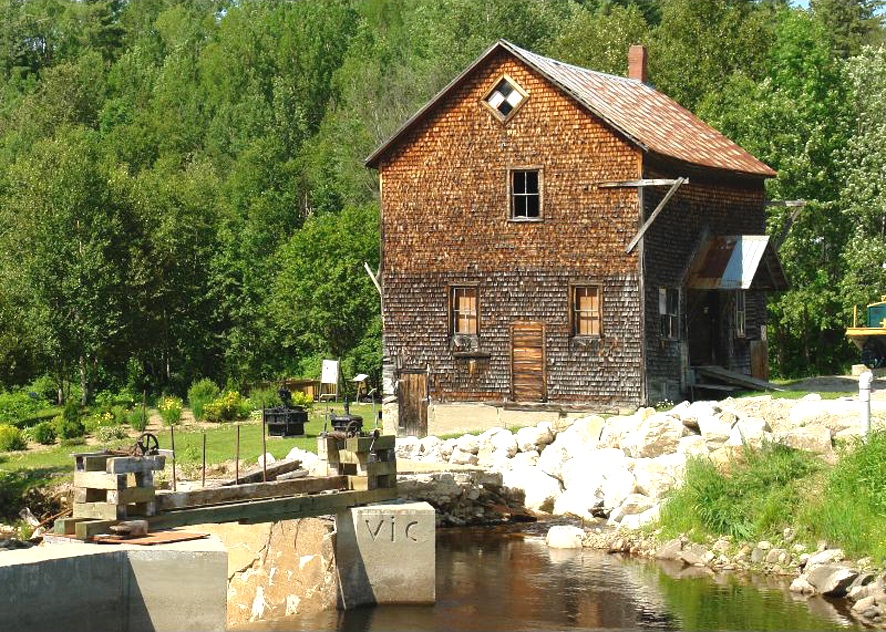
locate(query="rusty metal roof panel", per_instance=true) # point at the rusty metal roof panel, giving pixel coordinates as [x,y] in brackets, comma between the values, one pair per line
[731,262]
[648,118]
[651,119]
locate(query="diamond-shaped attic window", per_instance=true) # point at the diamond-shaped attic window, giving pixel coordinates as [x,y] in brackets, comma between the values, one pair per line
[505,98]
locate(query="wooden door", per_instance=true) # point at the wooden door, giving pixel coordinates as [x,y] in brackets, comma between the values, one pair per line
[528,362]
[412,400]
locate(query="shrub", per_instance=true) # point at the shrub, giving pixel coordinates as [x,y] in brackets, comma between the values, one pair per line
[106,434]
[20,405]
[134,418]
[11,438]
[45,386]
[68,427]
[201,393]
[228,407]
[43,433]
[264,398]
[94,422]
[302,399]
[170,409]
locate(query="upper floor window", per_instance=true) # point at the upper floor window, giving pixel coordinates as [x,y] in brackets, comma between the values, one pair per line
[505,98]
[586,312]
[740,314]
[669,312]
[464,310]
[525,194]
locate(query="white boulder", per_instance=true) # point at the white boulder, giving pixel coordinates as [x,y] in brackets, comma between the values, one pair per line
[617,486]
[577,503]
[658,434]
[815,439]
[564,537]
[532,438]
[309,461]
[553,457]
[541,490]
[752,431]
[407,447]
[632,505]
[468,443]
[615,429]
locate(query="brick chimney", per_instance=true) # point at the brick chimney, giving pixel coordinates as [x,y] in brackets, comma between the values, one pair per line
[637,62]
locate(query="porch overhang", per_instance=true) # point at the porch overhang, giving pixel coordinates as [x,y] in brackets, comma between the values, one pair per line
[737,262]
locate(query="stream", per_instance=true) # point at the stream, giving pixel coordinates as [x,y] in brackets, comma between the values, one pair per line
[506,578]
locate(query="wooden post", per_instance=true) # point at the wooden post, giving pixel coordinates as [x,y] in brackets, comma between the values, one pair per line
[172,441]
[264,449]
[204,460]
[144,407]
[237,459]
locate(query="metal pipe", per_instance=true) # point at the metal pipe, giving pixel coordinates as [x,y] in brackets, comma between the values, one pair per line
[864,397]
[172,441]
[204,460]
[237,459]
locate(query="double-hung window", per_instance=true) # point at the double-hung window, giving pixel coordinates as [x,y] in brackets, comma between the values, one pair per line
[464,310]
[740,314]
[669,312]
[525,188]
[586,312]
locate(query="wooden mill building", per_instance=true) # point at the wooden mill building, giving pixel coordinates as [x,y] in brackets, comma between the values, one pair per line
[555,234]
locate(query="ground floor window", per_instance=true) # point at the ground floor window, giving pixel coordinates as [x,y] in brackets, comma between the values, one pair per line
[464,310]
[586,312]
[669,312]
[740,314]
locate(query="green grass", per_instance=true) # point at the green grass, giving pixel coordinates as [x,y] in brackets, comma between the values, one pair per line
[794,394]
[766,490]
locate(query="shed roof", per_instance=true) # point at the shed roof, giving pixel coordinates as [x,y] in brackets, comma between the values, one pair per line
[649,119]
[736,262]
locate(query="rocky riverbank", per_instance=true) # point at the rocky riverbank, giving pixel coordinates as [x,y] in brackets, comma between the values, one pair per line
[613,474]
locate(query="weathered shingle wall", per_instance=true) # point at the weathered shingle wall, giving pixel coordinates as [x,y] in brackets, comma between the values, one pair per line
[702,207]
[446,221]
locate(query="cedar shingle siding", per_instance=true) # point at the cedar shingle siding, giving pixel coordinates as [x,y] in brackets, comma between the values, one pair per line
[446,221]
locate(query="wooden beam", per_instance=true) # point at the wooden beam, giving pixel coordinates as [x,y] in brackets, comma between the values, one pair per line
[655,213]
[275,489]
[272,509]
[373,276]
[645,182]
[255,475]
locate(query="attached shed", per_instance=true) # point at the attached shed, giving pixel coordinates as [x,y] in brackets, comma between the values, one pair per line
[552,234]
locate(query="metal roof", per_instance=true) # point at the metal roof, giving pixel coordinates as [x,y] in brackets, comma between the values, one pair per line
[651,120]
[733,262]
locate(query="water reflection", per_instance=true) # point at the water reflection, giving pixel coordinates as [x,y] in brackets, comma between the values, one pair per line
[496,579]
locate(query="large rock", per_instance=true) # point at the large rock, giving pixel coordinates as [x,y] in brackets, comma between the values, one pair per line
[670,550]
[634,504]
[749,431]
[653,478]
[504,441]
[658,434]
[691,414]
[821,558]
[586,468]
[534,438]
[831,581]
[553,457]
[578,503]
[815,439]
[693,445]
[564,537]
[582,435]
[523,459]
[540,489]
[463,457]
[468,443]
[407,448]
[635,521]
[615,429]
[715,431]
[309,461]
[617,486]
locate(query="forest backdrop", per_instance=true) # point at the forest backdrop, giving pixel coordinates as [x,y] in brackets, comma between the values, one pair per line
[182,189]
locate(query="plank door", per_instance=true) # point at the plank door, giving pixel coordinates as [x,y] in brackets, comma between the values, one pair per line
[528,362]
[412,398]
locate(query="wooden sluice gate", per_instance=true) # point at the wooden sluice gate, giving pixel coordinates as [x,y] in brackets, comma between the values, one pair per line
[111,488]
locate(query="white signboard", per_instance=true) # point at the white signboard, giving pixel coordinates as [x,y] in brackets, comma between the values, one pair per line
[329,374]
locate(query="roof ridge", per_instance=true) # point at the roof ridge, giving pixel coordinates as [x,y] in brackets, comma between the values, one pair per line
[528,53]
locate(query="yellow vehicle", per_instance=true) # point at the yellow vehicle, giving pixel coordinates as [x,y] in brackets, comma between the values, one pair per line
[871,336]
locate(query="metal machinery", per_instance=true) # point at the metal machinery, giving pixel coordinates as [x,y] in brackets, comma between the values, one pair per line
[870,338]
[346,423]
[286,420]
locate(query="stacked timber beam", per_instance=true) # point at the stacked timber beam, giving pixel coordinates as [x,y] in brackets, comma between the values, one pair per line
[109,488]
[368,462]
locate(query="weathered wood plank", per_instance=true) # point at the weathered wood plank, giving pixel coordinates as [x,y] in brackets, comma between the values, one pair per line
[255,475]
[88,528]
[272,508]
[100,480]
[167,501]
[103,511]
[65,526]
[364,444]
[134,464]
[130,495]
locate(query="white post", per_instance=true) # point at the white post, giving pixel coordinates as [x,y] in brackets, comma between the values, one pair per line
[864,397]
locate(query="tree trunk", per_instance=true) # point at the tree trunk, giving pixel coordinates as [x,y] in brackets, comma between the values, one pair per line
[84,386]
